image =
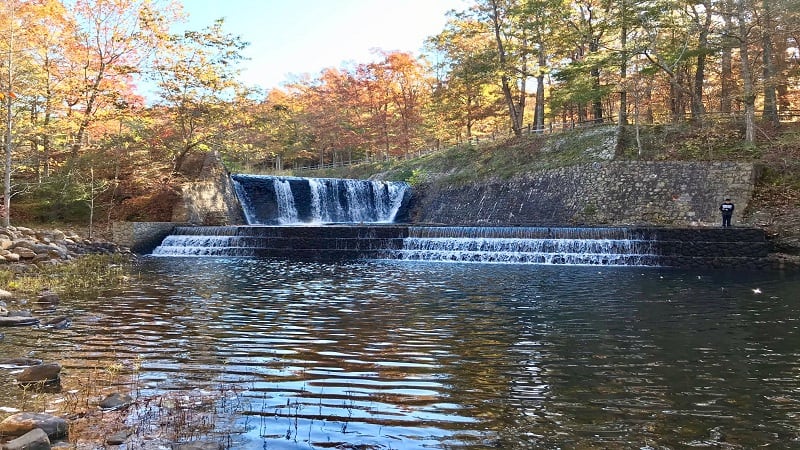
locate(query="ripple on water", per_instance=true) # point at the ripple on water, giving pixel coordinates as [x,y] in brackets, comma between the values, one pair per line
[412,356]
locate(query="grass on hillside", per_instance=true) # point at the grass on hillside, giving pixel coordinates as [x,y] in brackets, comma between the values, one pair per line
[504,159]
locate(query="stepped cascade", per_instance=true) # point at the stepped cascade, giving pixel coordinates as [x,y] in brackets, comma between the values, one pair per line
[532,245]
[319,218]
[270,200]
[317,242]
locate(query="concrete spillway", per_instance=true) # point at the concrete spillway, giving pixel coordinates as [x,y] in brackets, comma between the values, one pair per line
[686,247]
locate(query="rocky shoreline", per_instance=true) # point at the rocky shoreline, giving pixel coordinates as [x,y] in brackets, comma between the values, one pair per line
[22,250]
[27,246]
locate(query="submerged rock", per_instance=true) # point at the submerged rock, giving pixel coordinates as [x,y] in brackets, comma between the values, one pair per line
[58,323]
[21,423]
[48,298]
[42,373]
[17,321]
[115,401]
[117,438]
[33,440]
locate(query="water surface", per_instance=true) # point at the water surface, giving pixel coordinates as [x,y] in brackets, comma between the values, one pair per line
[428,355]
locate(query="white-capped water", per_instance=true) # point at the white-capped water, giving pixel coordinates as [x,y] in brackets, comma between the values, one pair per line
[509,245]
[287,212]
[526,245]
[270,200]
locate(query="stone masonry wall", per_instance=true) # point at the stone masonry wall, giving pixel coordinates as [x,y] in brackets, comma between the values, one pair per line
[141,237]
[619,193]
[211,200]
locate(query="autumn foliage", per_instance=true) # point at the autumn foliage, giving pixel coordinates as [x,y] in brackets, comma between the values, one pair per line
[105,105]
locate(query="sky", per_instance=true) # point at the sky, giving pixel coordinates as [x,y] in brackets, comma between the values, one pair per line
[294,37]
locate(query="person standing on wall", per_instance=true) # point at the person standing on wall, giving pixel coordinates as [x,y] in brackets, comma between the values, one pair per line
[727,212]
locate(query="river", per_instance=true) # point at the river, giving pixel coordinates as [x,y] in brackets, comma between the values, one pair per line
[403,355]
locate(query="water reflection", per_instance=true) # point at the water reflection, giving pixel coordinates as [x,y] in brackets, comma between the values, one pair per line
[399,355]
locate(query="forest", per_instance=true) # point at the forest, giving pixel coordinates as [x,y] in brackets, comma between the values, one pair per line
[104,103]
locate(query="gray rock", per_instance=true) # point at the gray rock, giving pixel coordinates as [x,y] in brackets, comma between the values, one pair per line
[117,438]
[18,321]
[48,298]
[58,322]
[33,440]
[43,373]
[21,423]
[115,400]
[198,445]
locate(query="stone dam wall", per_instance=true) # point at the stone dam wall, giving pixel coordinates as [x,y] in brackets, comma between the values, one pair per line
[602,193]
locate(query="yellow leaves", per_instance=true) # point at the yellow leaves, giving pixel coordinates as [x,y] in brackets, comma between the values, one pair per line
[9,94]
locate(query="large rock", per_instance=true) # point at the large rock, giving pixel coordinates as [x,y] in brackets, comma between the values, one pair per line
[17,321]
[33,440]
[42,373]
[115,401]
[48,298]
[21,423]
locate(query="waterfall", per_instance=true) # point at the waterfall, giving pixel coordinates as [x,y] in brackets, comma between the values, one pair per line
[527,245]
[270,200]
[509,245]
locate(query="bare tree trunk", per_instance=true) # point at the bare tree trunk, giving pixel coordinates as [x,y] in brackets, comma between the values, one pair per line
[597,102]
[770,95]
[622,117]
[698,109]
[514,114]
[9,136]
[726,61]
[538,112]
[748,94]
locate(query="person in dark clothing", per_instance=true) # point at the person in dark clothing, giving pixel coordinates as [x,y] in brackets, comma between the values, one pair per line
[727,212]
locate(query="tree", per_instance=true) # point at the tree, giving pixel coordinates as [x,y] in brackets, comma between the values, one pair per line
[113,39]
[464,95]
[196,75]
[744,16]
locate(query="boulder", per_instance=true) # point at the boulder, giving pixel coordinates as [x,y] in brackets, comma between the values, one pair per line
[42,373]
[58,323]
[5,294]
[21,423]
[48,298]
[198,445]
[18,321]
[11,256]
[35,439]
[115,401]
[117,438]
[24,253]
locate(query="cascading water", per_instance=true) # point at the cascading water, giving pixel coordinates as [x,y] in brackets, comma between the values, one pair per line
[351,220]
[527,245]
[269,200]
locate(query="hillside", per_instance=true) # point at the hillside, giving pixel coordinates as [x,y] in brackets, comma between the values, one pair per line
[774,206]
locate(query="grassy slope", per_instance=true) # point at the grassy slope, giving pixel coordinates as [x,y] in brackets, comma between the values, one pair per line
[776,202]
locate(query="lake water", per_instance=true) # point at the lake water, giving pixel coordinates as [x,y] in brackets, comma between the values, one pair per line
[400,355]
